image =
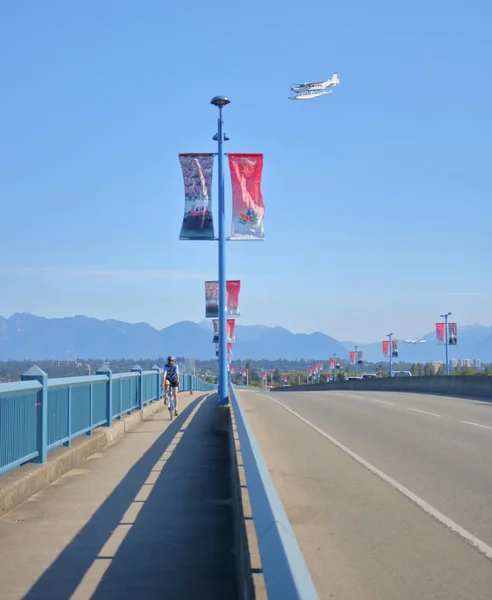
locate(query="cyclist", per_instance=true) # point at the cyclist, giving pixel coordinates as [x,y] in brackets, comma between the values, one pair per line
[171,378]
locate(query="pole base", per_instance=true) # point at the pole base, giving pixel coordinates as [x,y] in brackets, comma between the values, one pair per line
[222,420]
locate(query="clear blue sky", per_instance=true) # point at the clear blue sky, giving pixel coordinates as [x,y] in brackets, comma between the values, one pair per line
[378,197]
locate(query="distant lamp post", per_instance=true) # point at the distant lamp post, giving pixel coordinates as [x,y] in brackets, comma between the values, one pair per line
[446,338]
[390,335]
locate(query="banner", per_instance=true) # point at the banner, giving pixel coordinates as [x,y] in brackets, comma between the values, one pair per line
[315,368]
[197,176]
[216,349]
[245,372]
[453,334]
[353,358]
[441,333]
[310,371]
[248,208]
[264,375]
[394,350]
[332,363]
[229,348]
[321,367]
[359,357]
[386,348]
[232,369]
[211,299]
[231,330]
[232,290]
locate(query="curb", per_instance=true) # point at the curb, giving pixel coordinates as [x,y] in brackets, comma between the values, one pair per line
[20,484]
[251,579]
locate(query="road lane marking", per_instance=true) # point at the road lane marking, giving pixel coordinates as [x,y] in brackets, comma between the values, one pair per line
[381,401]
[477,424]
[424,412]
[478,544]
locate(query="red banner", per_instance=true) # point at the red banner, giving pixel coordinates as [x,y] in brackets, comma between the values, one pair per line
[264,375]
[316,367]
[386,348]
[233,289]
[453,334]
[231,369]
[359,357]
[332,363]
[441,333]
[245,372]
[248,208]
[310,371]
[353,358]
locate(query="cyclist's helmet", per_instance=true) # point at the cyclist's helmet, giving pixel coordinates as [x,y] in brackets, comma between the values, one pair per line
[170,359]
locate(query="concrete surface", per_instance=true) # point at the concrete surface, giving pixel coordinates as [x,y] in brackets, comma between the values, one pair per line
[222,418]
[147,517]
[362,538]
[21,483]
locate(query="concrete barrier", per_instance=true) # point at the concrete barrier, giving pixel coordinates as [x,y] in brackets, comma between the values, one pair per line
[475,387]
[20,484]
[251,582]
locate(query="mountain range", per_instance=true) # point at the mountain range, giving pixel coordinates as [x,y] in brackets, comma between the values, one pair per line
[25,336]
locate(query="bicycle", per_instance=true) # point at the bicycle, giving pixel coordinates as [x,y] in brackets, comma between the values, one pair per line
[170,403]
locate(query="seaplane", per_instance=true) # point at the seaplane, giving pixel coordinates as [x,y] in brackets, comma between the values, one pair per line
[314,89]
[414,341]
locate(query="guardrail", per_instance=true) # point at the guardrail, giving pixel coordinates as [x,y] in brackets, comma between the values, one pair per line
[39,414]
[284,568]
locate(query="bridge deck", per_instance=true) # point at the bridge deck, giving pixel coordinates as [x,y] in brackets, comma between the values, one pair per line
[148,517]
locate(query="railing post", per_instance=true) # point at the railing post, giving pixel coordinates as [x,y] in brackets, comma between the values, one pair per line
[37,374]
[138,368]
[91,409]
[105,370]
[158,387]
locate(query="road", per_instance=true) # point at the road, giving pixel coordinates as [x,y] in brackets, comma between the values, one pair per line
[389,494]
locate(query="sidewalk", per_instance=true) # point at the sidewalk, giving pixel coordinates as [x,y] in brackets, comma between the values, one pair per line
[148,517]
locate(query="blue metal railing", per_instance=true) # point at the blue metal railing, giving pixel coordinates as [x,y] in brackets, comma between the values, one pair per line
[39,414]
[284,568]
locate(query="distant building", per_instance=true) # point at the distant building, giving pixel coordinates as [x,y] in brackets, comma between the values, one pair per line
[477,363]
[453,363]
[190,366]
[437,365]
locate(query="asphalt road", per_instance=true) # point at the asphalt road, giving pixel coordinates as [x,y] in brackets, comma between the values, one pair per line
[390,495]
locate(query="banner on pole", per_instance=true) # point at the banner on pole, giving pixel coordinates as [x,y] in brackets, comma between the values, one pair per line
[232,369]
[232,291]
[248,208]
[359,357]
[453,334]
[321,367]
[394,349]
[231,329]
[310,371]
[197,172]
[332,363]
[244,372]
[316,367]
[353,357]
[386,348]
[441,333]
[211,299]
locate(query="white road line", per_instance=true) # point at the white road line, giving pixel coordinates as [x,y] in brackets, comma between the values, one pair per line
[476,424]
[424,412]
[478,544]
[381,401]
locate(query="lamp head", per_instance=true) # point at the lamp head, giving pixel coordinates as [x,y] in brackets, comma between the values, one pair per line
[219,101]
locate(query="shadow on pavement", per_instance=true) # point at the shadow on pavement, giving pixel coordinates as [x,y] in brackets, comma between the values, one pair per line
[176,540]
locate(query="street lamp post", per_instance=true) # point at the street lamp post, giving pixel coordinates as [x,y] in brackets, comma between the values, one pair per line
[223,398]
[390,335]
[356,363]
[335,368]
[445,317]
